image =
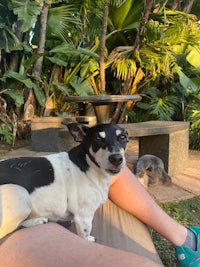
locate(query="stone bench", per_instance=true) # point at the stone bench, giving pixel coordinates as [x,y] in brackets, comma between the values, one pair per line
[168,140]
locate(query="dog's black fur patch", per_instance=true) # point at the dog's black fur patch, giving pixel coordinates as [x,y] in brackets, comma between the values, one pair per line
[78,156]
[28,172]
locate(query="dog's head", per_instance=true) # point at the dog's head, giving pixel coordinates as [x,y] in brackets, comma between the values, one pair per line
[104,144]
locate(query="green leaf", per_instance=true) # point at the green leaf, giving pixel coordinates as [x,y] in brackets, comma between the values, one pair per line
[153,92]
[62,87]
[87,52]
[127,15]
[19,77]
[81,86]
[27,11]
[193,57]
[28,63]
[143,105]
[70,50]
[163,108]
[186,82]
[64,48]
[6,132]
[16,96]
[56,60]
[8,40]
[39,95]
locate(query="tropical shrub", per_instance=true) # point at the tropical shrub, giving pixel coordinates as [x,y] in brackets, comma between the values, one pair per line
[193,115]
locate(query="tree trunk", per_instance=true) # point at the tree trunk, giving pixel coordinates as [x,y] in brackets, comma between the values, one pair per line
[119,114]
[37,70]
[140,33]
[187,6]
[102,47]
[174,5]
[14,56]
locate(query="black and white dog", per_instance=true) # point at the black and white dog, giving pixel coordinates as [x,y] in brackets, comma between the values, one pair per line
[35,190]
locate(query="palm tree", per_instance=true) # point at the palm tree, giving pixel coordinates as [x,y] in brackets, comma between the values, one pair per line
[37,69]
[102,47]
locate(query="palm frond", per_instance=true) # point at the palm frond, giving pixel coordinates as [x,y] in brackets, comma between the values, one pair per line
[61,21]
[124,68]
[117,3]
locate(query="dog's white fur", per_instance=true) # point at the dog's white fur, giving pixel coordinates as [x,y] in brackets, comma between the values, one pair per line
[73,192]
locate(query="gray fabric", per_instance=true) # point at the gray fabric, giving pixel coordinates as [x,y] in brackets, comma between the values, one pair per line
[117,228]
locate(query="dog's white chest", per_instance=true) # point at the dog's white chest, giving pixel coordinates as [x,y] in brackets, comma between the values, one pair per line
[72,191]
[87,191]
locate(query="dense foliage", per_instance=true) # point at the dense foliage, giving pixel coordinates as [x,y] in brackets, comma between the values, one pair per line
[50,49]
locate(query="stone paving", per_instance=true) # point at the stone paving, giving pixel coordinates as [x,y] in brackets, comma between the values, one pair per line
[185,185]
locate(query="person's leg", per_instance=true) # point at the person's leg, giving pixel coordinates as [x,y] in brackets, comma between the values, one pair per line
[130,195]
[51,245]
[126,192]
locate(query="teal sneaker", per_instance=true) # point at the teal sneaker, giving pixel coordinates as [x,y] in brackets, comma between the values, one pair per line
[185,255]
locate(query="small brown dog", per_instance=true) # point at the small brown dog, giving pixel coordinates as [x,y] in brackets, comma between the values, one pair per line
[150,170]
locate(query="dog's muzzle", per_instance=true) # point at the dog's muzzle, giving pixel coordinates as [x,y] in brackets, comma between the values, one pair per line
[116,161]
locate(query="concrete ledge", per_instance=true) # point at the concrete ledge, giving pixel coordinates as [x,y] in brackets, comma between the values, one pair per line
[148,128]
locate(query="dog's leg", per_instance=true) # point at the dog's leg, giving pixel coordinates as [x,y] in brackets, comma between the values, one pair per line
[14,207]
[166,179]
[34,221]
[154,175]
[84,227]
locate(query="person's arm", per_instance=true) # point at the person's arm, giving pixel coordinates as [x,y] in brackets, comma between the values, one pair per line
[127,192]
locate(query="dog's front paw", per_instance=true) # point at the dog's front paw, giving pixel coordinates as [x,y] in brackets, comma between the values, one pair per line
[34,221]
[90,238]
[42,220]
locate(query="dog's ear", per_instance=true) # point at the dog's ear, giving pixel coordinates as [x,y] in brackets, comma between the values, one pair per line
[78,131]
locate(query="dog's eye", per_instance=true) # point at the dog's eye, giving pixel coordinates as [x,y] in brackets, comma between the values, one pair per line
[122,137]
[99,139]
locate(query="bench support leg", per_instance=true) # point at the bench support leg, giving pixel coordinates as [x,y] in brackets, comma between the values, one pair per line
[171,148]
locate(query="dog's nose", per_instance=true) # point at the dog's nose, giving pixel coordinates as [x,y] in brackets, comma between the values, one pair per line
[116,159]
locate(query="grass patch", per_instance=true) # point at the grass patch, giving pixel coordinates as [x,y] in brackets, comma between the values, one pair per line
[186,212]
